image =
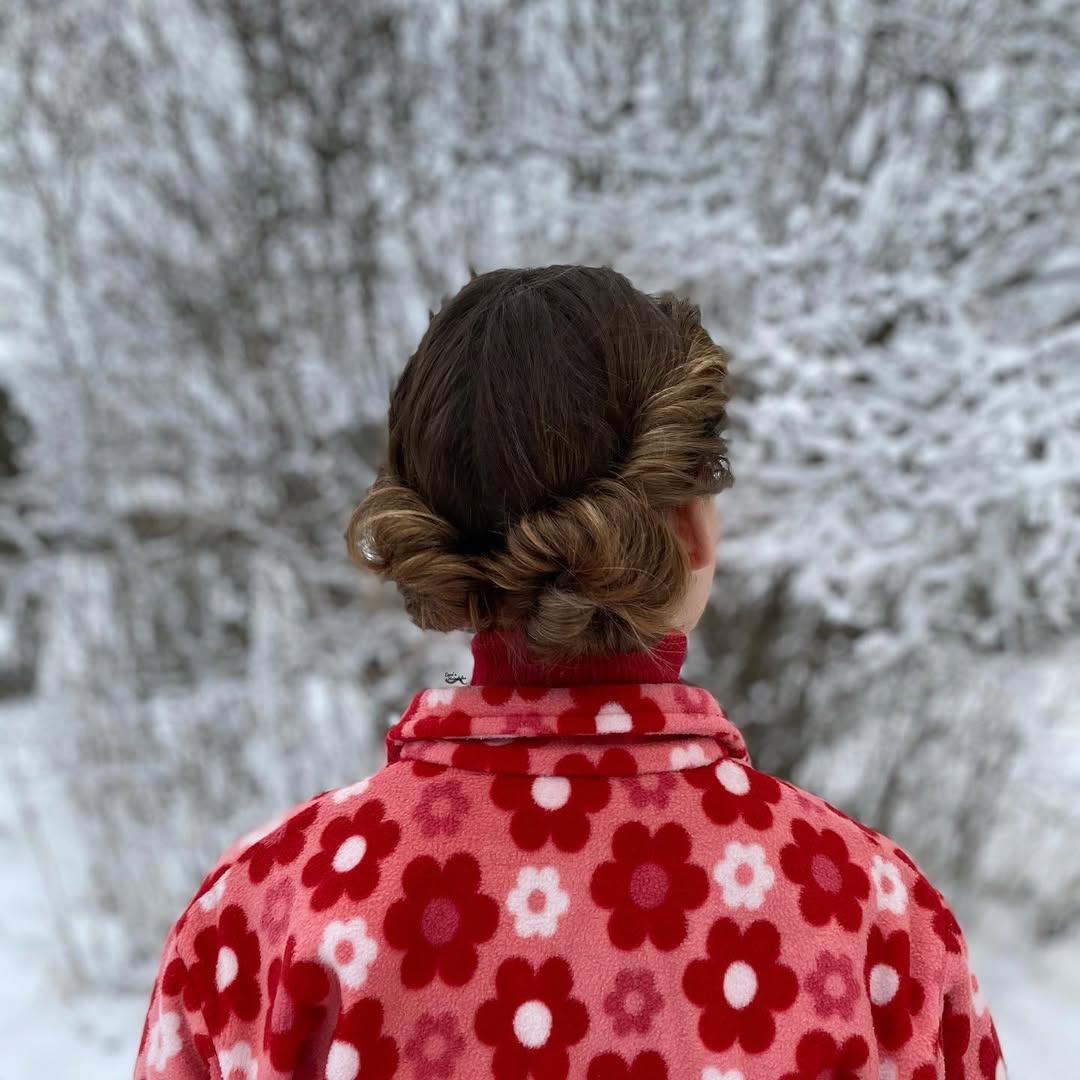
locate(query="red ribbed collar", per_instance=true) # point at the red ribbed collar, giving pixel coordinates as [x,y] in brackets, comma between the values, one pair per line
[500,658]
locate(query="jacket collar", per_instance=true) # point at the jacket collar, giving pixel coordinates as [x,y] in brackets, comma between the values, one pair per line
[620,715]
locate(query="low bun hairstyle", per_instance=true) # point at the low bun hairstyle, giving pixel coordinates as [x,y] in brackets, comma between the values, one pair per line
[546,423]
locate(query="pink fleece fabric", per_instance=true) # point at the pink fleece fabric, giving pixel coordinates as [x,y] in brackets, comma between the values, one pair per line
[567,872]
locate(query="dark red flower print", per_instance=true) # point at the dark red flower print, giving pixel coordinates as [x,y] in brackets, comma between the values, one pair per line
[500,695]
[440,920]
[831,886]
[990,1063]
[955,1038]
[734,791]
[833,986]
[436,1044]
[456,723]
[648,1065]
[894,995]
[360,1050]
[224,979]
[926,896]
[613,762]
[501,755]
[653,789]
[428,768]
[942,919]
[278,900]
[297,994]
[554,808]
[281,847]
[925,1072]
[532,1020]
[739,985]
[634,1002]
[442,808]
[610,710]
[649,885]
[350,849]
[820,1055]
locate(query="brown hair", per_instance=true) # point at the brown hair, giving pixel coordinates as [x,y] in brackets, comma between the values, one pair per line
[547,420]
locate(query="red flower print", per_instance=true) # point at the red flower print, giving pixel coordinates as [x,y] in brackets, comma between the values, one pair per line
[649,885]
[990,1063]
[614,762]
[652,790]
[442,808]
[943,920]
[819,1054]
[351,848]
[436,1044]
[926,896]
[500,695]
[648,1065]
[360,1051]
[554,808]
[532,1020]
[833,986]
[428,768]
[224,979]
[831,885]
[297,1004]
[501,755]
[733,791]
[634,1002]
[894,995]
[610,710]
[282,846]
[440,920]
[457,722]
[955,1037]
[278,903]
[925,1072]
[739,985]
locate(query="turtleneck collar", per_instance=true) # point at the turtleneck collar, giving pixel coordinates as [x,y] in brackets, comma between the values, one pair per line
[500,658]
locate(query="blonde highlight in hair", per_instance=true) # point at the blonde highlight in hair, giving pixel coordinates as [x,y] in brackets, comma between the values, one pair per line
[537,500]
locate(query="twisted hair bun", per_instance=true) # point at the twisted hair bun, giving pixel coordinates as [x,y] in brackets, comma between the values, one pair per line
[538,436]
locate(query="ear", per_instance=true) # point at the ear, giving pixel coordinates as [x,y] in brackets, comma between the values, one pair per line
[691,522]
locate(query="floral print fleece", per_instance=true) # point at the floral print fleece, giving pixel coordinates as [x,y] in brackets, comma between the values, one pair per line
[570,872]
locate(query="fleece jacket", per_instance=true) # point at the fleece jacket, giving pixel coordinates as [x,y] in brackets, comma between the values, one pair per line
[567,871]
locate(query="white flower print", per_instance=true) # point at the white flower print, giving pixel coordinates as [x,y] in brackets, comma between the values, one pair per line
[437,699]
[212,897]
[744,875]
[887,1071]
[537,903]
[351,791]
[163,1041]
[613,719]
[889,887]
[687,757]
[347,948]
[711,1073]
[978,999]
[237,1063]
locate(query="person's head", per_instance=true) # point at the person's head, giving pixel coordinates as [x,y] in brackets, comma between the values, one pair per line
[555,448]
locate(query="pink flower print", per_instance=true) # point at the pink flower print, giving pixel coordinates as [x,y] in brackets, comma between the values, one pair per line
[833,986]
[436,1045]
[442,808]
[652,789]
[277,908]
[634,1002]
